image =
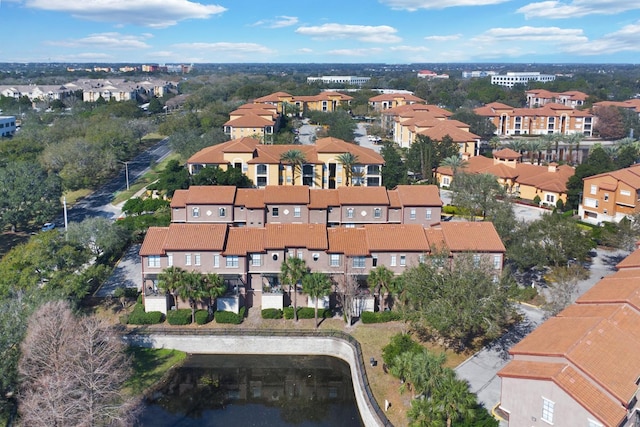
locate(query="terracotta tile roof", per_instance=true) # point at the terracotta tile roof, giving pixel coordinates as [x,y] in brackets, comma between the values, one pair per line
[274,97]
[215,153]
[507,153]
[394,199]
[179,199]
[252,109]
[363,196]
[392,237]
[348,241]
[435,237]
[471,237]
[419,195]
[271,154]
[248,121]
[614,290]
[589,310]
[289,194]
[310,236]
[322,199]
[631,261]
[191,237]
[555,337]
[531,370]
[244,240]
[407,97]
[444,128]
[154,241]
[250,198]
[366,156]
[211,194]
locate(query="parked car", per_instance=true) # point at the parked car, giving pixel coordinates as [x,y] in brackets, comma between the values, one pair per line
[48,226]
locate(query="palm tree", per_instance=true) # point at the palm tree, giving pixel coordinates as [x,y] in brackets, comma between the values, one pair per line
[495,143]
[534,147]
[214,287]
[573,140]
[454,399]
[516,145]
[292,270]
[316,285]
[296,159]
[380,278]
[170,280]
[455,163]
[348,161]
[192,290]
[552,139]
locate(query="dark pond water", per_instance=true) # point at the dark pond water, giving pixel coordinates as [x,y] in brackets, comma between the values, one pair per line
[273,391]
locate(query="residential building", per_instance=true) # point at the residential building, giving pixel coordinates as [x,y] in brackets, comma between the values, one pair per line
[580,368]
[388,117]
[514,78]
[249,258]
[348,80]
[35,92]
[7,126]
[347,206]
[431,75]
[322,168]
[631,104]
[287,104]
[552,118]
[478,74]
[610,196]
[540,97]
[386,101]
[252,120]
[524,180]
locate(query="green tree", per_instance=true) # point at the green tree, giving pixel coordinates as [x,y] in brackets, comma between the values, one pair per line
[101,237]
[28,195]
[171,281]
[292,270]
[218,176]
[380,278]
[478,125]
[426,154]
[316,285]
[174,177]
[155,106]
[192,289]
[295,159]
[394,170]
[214,288]
[477,194]
[348,162]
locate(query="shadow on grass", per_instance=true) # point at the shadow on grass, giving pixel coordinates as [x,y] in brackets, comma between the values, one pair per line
[149,367]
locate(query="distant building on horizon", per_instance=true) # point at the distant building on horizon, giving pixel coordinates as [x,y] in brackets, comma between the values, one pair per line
[7,126]
[513,78]
[477,74]
[349,80]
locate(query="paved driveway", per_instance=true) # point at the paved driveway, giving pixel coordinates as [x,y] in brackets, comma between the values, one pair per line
[127,273]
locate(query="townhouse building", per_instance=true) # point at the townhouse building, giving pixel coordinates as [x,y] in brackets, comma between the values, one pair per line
[580,368]
[388,117]
[287,104]
[322,168]
[540,97]
[523,180]
[35,92]
[610,196]
[552,118]
[386,101]
[7,126]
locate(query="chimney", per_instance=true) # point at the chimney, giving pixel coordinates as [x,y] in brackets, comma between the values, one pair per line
[553,167]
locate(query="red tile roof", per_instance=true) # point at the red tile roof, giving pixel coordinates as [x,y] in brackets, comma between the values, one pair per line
[419,195]
[280,236]
[322,199]
[250,198]
[154,241]
[202,237]
[348,241]
[392,237]
[471,237]
[244,240]
[363,196]
[289,194]
[215,153]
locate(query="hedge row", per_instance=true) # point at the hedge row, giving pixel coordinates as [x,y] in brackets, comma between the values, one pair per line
[230,317]
[179,317]
[139,317]
[202,317]
[379,316]
[306,313]
[271,313]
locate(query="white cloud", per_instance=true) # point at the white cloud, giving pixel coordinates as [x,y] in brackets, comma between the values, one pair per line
[443,38]
[620,41]
[84,57]
[532,34]
[279,22]
[225,47]
[356,52]
[409,49]
[364,33]
[305,50]
[106,41]
[554,9]
[149,13]
[413,5]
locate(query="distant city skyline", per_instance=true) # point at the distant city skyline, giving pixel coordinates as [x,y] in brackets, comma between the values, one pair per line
[362,31]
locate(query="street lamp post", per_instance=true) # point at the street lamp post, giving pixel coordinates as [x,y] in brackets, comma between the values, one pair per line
[126,171]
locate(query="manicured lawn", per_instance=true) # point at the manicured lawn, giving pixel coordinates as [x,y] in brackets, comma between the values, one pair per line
[149,367]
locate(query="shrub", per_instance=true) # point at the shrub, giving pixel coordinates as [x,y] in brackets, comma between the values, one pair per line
[271,313]
[230,317]
[306,313]
[537,200]
[179,317]
[399,343]
[379,317]
[139,317]
[202,317]
[450,210]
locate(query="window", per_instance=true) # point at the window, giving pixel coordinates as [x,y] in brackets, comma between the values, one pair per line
[316,256]
[195,212]
[625,192]
[300,254]
[169,260]
[550,198]
[261,169]
[197,259]
[377,213]
[256,260]
[547,410]
[374,260]
[403,260]
[476,260]
[428,216]
[153,261]
[232,261]
[187,259]
[412,214]
[296,212]
[216,261]
[393,261]
[446,180]
[222,212]
[594,189]
[335,260]
[350,212]
[275,211]
[358,262]
[497,262]
[606,197]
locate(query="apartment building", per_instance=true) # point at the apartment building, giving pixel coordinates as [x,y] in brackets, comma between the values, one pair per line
[524,180]
[7,126]
[610,196]
[348,80]
[252,120]
[581,368]
[514,78]
[322,167]
[540,97]
[552,118]
[386,101]
[388,117]
[286,104]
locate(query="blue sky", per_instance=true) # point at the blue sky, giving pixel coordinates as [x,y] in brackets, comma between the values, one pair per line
[320,31]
